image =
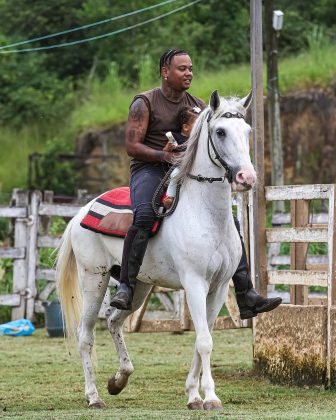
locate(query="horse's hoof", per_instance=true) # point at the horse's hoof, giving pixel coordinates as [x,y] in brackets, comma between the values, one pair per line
[212,405]
[112,388]
[97,405]
[195,405]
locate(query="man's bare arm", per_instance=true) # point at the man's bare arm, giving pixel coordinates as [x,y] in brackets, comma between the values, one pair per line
[136,128]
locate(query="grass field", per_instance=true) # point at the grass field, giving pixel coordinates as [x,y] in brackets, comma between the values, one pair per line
[39,381]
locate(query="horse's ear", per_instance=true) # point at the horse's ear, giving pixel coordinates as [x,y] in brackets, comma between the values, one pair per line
[214,100]
[246,102]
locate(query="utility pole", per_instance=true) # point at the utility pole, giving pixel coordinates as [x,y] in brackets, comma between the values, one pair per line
[258,261]
[274,20]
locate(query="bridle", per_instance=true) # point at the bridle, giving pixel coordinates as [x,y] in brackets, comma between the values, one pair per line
[200,178]
[229,171]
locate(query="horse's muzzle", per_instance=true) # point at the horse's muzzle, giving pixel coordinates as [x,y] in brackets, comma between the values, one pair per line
[244,179]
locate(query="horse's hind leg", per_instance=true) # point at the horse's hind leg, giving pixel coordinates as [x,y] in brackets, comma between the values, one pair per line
[94,286]
[115,319]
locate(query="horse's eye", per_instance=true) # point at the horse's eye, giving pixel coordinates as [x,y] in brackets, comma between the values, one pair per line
[220,132]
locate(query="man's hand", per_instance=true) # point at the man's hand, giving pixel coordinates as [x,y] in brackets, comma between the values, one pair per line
[172,153]
[170,147]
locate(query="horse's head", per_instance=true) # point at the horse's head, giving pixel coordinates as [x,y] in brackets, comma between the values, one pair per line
[229,140]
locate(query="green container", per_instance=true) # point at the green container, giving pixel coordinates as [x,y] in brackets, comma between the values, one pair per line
[53,318]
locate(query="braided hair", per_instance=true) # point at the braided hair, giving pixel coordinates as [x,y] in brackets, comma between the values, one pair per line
[167,57]
[186,114]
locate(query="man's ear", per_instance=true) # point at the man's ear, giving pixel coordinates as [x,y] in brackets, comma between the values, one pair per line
[214,100]
[246,102]
[164,72]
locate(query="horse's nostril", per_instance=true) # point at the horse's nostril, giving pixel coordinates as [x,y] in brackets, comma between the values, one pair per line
[240,177]
[245,177]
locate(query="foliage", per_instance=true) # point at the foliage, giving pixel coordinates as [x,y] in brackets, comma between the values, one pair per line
[29,93]
[4,228]
[216,33]
[16,145]
[6,281]
[54,173]
[105,103]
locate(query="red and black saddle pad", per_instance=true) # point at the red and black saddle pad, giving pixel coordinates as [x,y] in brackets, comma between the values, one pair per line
[111,214]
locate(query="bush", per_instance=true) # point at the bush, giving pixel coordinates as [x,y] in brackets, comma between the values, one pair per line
[29,94]
[55,172]
[6,286]
[4,228]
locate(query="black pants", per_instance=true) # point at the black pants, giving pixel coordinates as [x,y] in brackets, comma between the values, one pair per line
[143,185]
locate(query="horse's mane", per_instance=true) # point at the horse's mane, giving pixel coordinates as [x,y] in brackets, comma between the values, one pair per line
[185,163]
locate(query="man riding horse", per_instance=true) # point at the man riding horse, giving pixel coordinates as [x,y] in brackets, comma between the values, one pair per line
[151,115]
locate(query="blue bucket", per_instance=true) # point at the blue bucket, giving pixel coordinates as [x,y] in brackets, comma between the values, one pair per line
[53,318]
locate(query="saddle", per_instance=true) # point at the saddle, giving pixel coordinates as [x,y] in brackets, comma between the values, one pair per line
[111,214]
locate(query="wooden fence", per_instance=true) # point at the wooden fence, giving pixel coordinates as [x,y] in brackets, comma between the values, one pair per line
[296,343]
[305,230]
[31,216]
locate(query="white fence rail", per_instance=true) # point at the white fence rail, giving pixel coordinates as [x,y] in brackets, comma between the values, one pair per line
[30,216]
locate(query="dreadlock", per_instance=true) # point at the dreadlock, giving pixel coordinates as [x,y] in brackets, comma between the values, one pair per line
[167,57]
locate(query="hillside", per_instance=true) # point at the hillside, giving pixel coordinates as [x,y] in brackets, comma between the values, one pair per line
[105,105]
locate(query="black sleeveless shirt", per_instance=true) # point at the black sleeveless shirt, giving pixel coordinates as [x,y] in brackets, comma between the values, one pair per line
[163,117]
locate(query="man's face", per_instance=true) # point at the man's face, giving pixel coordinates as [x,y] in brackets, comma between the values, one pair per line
[179,73]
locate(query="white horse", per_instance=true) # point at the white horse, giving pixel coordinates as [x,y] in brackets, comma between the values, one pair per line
[197,249]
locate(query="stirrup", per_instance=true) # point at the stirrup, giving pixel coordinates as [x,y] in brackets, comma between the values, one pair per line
[123,298]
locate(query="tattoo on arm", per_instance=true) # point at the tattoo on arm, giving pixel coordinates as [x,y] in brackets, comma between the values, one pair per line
[136,129]
[137,110]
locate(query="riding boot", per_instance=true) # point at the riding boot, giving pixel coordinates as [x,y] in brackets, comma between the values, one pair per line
[133,253]
[249,301]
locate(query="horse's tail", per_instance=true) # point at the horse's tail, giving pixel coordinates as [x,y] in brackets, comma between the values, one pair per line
[67,284]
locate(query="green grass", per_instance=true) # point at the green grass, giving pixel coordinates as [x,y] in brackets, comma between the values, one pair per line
[16,146]
[309,69]
[108,102]
[106,105]
[39,381]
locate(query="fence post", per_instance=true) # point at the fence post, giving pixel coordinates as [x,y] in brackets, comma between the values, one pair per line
[81,197]
[48,197]
[20,199]
[332,245]
[298,251]
[331,279]
[259,214]
[32,253]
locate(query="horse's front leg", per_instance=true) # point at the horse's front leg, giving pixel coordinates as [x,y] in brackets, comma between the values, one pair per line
[196,292]
[195,401]
[94,287]
[115,319]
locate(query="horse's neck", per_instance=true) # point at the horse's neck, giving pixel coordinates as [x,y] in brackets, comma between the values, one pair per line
[215,197]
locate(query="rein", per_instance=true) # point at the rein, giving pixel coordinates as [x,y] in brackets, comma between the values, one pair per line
[156,202]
